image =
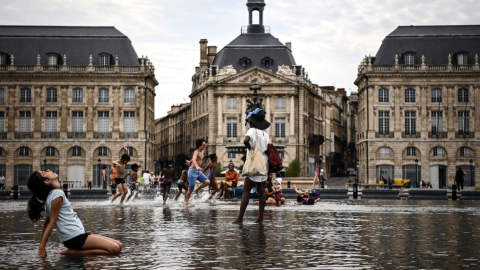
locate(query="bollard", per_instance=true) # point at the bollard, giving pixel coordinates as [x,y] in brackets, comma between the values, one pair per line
[114,189]
[65,190]
[454,192]
[390,184]
[15,192]
[355,191]
[288,184]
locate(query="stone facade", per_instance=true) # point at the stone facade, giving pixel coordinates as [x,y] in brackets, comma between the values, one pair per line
[50,118]
[411,118]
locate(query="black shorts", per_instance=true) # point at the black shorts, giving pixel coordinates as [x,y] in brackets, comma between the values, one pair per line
[77,242]
[119,181]
[167,182]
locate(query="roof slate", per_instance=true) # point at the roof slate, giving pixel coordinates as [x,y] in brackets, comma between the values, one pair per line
[255,47]
[77,43]
[434,42]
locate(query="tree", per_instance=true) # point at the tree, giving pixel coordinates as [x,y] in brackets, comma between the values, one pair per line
[293,169]
[219,169]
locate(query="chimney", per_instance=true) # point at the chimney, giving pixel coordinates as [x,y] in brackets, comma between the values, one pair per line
[289,45]
[212,52]
[203,54]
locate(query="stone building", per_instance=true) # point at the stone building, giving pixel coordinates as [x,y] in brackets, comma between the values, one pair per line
[70,99]
[417,106]
[221,90]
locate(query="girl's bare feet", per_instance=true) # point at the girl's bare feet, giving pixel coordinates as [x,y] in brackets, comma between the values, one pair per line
[259,220]
[237,221]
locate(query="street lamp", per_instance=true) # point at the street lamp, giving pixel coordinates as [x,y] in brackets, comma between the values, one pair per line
[99,177]
[44,164]
[471,174]
[416,172]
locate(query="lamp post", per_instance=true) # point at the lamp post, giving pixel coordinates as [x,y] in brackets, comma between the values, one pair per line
[416,172]
[44,164]
[104,183]
[471,175]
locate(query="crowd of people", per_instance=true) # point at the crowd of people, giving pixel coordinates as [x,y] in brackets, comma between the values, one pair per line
[47,193]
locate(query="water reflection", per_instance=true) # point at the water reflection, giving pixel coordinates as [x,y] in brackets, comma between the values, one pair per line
[349,234]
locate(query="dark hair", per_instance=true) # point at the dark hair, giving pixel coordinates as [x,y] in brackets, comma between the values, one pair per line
[40,192]
[125,157]
[311,201]
[199,142]
[104,167]
[213,156]
[169,163]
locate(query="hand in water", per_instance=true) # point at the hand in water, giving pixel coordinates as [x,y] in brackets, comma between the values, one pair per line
[42,252]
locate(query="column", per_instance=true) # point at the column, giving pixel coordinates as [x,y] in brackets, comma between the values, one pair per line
[449,98]
[37,111]
[397,118]
[89,116]
[116,112]
[422,115]
[291,130]
[64,112]
[219,118]
[244,108]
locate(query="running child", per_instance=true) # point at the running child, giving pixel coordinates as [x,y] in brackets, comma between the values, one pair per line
[133,180]
[195,171]
[182,182]
[167,175]
[119,166]
[46,192]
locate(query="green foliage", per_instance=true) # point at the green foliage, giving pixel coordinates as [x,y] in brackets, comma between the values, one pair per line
[293,169]
[219,169]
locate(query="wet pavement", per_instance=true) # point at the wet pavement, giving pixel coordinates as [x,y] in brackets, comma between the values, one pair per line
[328,235]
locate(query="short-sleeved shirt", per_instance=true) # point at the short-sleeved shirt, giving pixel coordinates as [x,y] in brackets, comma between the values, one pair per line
[2,180]
[68,225]
[260,141]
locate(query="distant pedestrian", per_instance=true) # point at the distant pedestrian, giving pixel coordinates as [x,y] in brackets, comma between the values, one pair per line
[2,182]
[89,184]
[167,174]
[323,178]
[195,172]
[459,178]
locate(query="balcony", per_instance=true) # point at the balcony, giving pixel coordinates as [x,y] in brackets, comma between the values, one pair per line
[75,69]
[103,135]
[384,135]
[23,135]
[279,139]
[76,135]
[411,135]
[439,135]
[232,139]
[50,135]
[128,135]
[423,68]
[464,134]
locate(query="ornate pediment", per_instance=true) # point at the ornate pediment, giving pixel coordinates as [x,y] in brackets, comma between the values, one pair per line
[258,76]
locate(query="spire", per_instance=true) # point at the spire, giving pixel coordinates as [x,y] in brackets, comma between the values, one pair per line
[256,5]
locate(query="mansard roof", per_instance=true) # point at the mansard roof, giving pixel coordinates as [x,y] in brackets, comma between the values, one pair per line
[76,42]
[434,42]
[255,47]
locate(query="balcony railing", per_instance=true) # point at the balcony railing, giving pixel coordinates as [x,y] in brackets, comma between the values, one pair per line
[25,68]
[48,68]
[3,68]
[411,135]
[73,69]
[364,68]
[76,135]
[440,135]
[23,135]
[279,139]
[104,68]
[49,135]
[77,68]
[384,135]
[129,135]
[103,135]
[464,135]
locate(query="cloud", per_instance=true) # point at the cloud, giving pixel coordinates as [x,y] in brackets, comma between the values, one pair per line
[329,37]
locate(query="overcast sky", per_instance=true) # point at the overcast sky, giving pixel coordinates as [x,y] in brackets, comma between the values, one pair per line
[329,37]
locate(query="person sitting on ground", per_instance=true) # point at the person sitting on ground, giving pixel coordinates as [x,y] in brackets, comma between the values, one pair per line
[182,183]
[167,175]
[270,193]
[133,180]
[277,186]
[46,192]
[303,197]
[231,179]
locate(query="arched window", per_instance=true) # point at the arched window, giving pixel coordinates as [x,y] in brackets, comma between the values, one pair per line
[385,151]
[76,151]
[464,152]
[462,59]
[409,59]
[255,17]
[245,62]
[24,152]
[52,59]
[102,151]
[438,152]
[104,59]
[267,62]
[50,151]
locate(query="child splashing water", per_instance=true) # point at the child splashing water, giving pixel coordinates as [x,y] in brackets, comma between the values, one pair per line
[46,192]
[277,185]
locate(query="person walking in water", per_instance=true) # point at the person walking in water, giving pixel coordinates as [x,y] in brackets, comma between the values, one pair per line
[195,171]
[46,192]
[167,175]
[182,183]
[459,178]
[212,171]
[256,137]
[119,166]
[133,180]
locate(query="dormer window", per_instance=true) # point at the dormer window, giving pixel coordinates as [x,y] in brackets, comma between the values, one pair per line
[104,60]
[52,59]
[267,62]
[409,59]
[245,62]
[462,59]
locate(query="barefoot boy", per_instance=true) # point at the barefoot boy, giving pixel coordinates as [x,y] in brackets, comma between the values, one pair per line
[195,171]
[119,165]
